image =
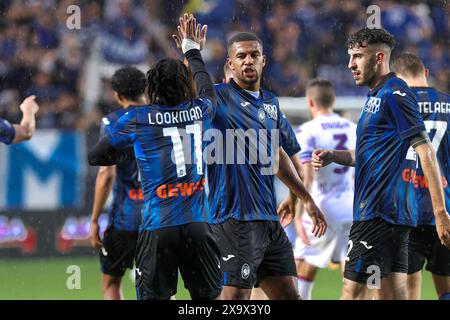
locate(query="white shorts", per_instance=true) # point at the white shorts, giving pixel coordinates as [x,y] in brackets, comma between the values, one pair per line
[332,246]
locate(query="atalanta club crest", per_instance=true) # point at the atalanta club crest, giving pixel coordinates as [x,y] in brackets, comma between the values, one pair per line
[261,115]
[245,271]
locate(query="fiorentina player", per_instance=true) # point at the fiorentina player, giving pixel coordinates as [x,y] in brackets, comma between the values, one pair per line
[119,242]
[384,207]
[331,187]
[424,243]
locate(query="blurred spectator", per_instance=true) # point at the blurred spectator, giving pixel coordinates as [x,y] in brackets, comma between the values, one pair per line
[42,87]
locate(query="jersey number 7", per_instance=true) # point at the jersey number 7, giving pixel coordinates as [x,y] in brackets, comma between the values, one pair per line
[440,127]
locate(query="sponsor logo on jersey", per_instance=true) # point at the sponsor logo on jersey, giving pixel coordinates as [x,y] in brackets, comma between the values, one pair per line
[271,111]
[373,105]
[364,243]
[186,189]
[135,194]
[410,176]
[399,93]
[230,256]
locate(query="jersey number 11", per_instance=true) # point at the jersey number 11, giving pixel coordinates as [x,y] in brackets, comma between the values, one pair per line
[174,134]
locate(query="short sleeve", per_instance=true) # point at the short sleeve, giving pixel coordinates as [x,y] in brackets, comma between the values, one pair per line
[7,132]
[287,136]
[121,134]
[405,113]
[307,144]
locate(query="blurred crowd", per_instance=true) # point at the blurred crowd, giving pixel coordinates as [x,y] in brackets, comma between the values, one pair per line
[68,69]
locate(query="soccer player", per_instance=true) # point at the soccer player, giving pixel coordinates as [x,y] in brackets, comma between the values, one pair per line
[383,210]
[120,238]
[331,187]
[167,139]
[254,247]
[424,243]
[15,133]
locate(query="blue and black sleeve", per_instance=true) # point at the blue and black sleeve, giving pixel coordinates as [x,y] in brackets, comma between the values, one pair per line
[202,79]
[104,154]
[404,110]
[7,132]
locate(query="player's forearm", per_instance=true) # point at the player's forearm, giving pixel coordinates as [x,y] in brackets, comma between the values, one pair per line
[430,167]
[202,79]
[308,177]
[23,131]
[299,209]
[344,157]
[29,123]
[288,175]
[298,165]
[103,187]
[296,162]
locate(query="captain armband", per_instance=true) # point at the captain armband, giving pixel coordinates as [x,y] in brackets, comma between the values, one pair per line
[420,139]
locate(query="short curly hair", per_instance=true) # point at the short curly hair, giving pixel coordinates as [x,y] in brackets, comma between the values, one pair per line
[243,36]
[367,36]
[129,82]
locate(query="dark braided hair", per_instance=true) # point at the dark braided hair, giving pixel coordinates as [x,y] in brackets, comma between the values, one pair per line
[169,83]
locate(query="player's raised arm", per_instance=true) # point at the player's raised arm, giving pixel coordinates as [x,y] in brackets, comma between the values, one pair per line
[27,126]
[322,158]
[290,178]
[193,36]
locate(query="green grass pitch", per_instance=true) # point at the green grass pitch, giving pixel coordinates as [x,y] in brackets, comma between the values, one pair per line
[36,279]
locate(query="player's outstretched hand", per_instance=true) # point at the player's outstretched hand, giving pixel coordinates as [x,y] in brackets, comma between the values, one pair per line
[29,106]
[317,217]
[443,228]
[94,236]
[286,216]
[285,209]
[321,158]
[188,28]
